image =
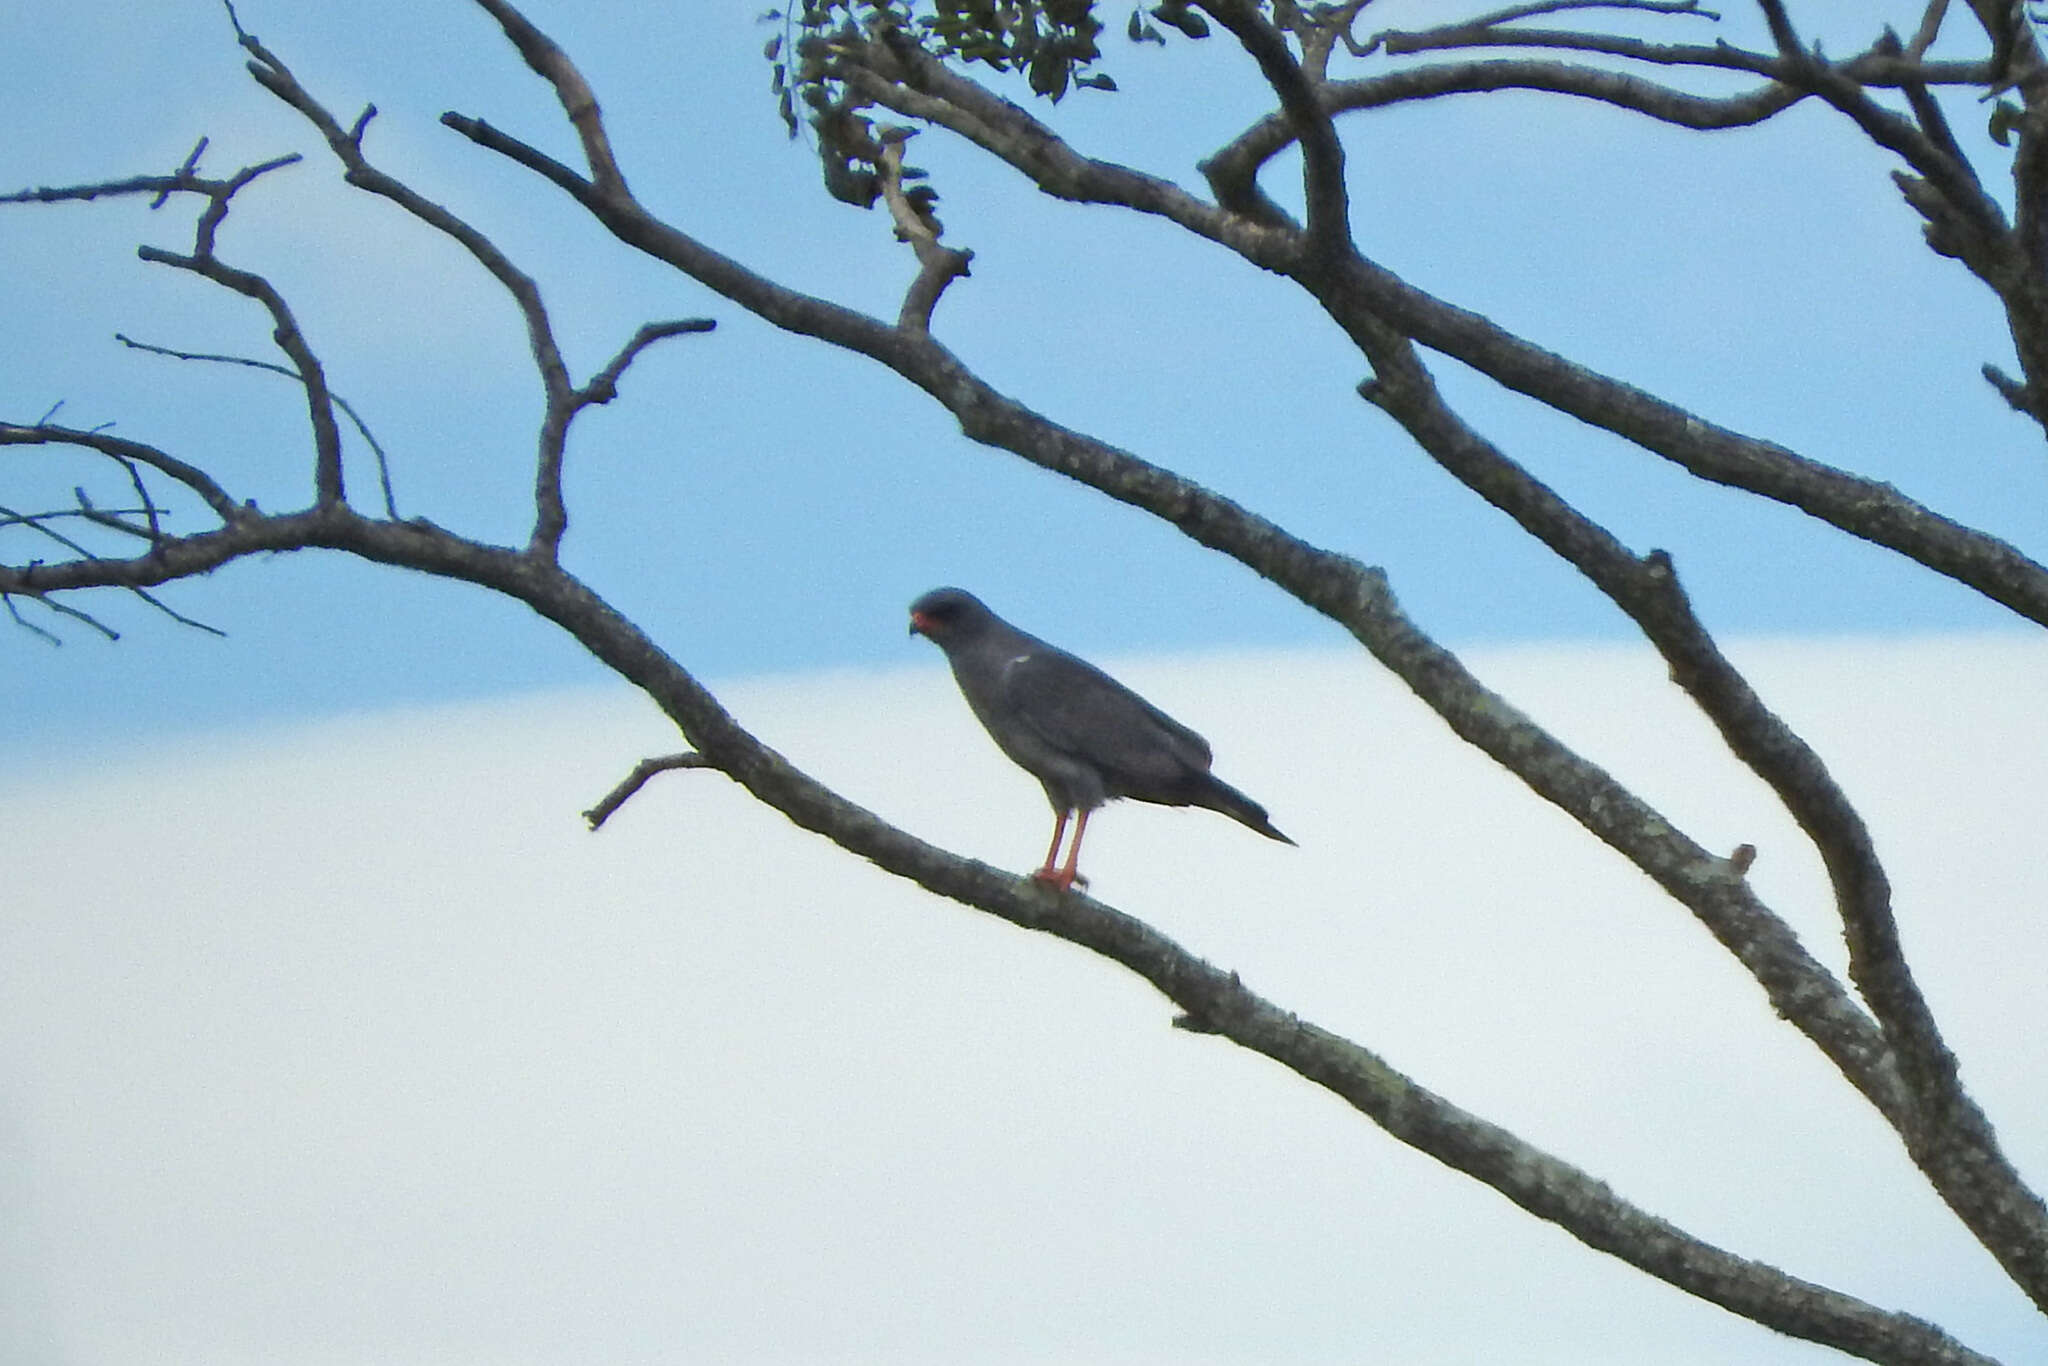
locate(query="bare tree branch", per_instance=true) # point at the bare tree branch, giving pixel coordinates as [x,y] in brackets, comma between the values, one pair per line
[62,609]
[634,781]
[184,181]
[1328,202]
[347,145]
[1346,592]
[122,450]
[1960,1154]
[327,476]
[355,418]
[1216,1000]
[2003,1212]
[150,512]
[604,385]
[1540,7]
[1210,996]
[553,65]
[111,518]
[938,265]
[85,555]
[1866,508]
[1929,30]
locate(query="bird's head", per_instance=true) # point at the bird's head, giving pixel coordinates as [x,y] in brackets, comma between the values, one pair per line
[946,616]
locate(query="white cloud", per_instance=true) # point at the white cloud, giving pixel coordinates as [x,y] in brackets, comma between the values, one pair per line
[347,1044]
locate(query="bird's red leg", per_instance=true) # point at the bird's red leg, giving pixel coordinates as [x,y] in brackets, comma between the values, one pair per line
[1050,872]
[1067,877]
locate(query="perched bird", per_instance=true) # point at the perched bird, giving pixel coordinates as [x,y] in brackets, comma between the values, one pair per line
[1086,737]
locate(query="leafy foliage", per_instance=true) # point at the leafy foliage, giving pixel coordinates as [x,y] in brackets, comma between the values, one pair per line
[1054,44]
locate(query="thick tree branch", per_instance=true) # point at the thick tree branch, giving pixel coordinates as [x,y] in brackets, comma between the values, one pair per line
[988,417]
[548,61]
[1865,508]
[1217,1000]
[1239,161]
[903,78]
[1798,987]
[1328,201]
[1924,152]
[1963,220]
[1942,1128]
[1348,592]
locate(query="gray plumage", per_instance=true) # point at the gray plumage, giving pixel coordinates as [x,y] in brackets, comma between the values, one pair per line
[1086,737]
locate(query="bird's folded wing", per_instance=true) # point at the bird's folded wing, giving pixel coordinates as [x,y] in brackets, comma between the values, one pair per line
[1080,710]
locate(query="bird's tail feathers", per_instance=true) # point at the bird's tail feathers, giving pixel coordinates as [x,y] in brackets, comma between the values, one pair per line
[1221,796]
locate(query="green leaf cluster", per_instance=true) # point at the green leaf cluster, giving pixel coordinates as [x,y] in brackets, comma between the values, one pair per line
[1054,44]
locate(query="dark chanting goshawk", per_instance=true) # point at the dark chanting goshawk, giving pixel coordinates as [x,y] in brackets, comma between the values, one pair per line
[1086,737]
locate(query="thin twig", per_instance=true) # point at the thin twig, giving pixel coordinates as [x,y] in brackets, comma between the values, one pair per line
[182,182]
[1927,113]
[79,615]
[1530,11]
[355,418]
[106,517]
[634,781]
[25,624]
[85,554]
[190,168]
[148,503]
[119,449]
[559,407]
[604,385]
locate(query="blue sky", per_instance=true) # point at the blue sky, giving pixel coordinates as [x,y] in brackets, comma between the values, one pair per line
[765,505]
